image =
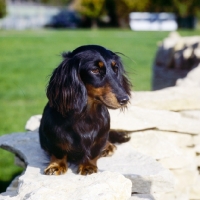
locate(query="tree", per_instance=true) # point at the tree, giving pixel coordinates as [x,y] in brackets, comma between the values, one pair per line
[124,7]
[2,8]
[110,9]
[186,7]
[56,2]
[92,9]
[160,6]
[186,10]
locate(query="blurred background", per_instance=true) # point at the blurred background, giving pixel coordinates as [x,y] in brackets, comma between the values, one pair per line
[33,34]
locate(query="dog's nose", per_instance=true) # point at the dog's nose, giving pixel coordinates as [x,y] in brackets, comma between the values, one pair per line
[123,100]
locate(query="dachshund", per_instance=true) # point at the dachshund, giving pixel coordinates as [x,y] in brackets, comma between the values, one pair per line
[75,124]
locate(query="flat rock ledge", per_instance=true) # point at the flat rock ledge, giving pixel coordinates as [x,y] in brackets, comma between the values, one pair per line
[124,175]
[160,162]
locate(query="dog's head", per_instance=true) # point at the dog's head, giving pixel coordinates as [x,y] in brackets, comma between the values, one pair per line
[89,74]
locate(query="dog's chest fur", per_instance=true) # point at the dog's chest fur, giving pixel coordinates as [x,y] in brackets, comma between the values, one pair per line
[81,137]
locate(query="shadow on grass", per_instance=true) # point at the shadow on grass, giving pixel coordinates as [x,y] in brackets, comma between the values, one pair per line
[5,184]
[8,170]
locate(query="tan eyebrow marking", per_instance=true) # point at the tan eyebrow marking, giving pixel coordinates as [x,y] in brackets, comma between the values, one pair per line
[101,64]
[113,63]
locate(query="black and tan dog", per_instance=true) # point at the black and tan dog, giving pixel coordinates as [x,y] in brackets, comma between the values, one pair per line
[75,125]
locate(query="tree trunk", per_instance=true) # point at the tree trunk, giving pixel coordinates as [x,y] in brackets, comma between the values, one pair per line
[94,24]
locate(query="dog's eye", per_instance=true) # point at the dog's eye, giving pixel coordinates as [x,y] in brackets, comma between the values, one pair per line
[115,69]
[95,71]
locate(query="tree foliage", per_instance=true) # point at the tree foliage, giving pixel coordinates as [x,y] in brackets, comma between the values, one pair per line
[120,9]
[186,7]
[181,8]
[124,7]
[2,8]
[90,8]
[56,2]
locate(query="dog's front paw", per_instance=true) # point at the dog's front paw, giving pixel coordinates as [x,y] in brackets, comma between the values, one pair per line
[56,169]
[109,150]
[86,169]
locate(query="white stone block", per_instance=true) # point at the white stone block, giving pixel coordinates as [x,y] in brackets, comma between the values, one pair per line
[137,118]
[146,175]
[33,123]
[153,143]
[171,98]
[178,139]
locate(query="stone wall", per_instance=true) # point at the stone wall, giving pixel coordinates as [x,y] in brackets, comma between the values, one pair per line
[160,162]
[175,57]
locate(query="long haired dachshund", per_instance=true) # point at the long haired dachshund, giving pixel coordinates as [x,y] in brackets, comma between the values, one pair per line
[75,125]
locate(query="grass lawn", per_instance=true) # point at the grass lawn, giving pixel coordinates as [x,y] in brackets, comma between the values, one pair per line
[27,58]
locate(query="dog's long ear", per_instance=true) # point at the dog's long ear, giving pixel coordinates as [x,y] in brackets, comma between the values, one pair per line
[66,92]
[126,84]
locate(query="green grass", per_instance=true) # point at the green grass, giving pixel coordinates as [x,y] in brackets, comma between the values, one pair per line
[27,58]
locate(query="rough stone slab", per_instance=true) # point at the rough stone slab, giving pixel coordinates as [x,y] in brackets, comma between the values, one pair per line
[197,148]
[198,160]
[184,178]
[191,80]
[129,120]
[153,143]
[195,190]
[178,162]
[187,159]
[193,114]
[142,197]
[196,139]
[178,139]
[136,118]
[172,98]
[146,174]
[105,185]
[33,123]
[166,196]
[175,57]
[33,184]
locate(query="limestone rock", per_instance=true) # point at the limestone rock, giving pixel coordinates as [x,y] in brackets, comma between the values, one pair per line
[197,148]
[175,57]
[178,162]
[195,190]
[33,123]
[193,114]
[105,185]
[185,178]
[187,159]
[172,98]
[166,196]
[142,197]
[196,139]
[129,120]
[154,144]
[136,118]
[146,175]
[33,184]
[191,80]
[178,139]
[198,160]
